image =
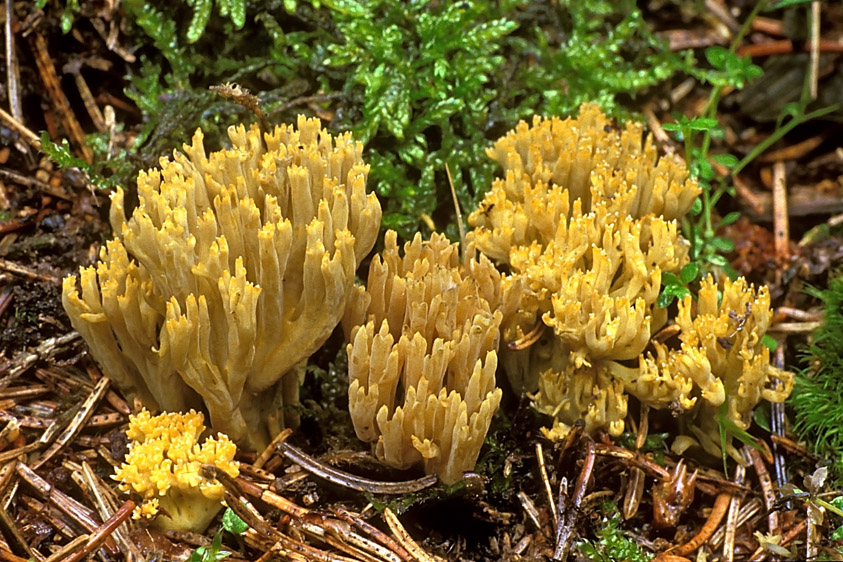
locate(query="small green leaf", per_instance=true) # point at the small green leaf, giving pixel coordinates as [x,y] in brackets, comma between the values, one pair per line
[702,123]
[716,56]
[770,342]
[730,218]
[717,259]
[236,10]
[201,15]
[722,244]
[670,278]
[232,523]
[347,7]
[664,299]
[411,152]
[66,21]
[704,169]
[761,417]
[728,160]
[62,156]
[670,292]
[689,272]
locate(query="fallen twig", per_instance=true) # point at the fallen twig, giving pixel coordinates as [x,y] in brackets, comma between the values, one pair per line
[786,46]
[781,226]
[546,481]
[13,537]
[371,530]
[732,515]
[767,491]
[44,349]
[721,506]
[104,532]
[416,552]
[569,508]
[530,509]
[57,97]
[347,480]
[635,485]
[79,513]
[27,272]
[79,420]
[335,532]
[634,457]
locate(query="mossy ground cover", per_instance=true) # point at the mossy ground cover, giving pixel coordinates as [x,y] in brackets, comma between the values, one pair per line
[428,86]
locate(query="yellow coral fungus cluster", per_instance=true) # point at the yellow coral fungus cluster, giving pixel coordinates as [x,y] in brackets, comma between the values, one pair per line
[163,466]
[234,268]
[723,354]
[422,357]
[585,218]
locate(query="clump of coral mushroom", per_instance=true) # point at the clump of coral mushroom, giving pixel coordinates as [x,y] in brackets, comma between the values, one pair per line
[422,358]
[585,218]
[164,464]
[234,268]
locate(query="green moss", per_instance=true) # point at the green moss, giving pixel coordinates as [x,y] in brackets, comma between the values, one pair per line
[818,410]
[423,83]
[612,543]
[433,84]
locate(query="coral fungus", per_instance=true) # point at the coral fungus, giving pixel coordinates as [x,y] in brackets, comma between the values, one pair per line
[233,269]
[585,218]
[422,357]
[164,463]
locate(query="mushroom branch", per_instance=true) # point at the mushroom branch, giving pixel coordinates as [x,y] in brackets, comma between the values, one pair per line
[233,269]
[585,217]
[422,355]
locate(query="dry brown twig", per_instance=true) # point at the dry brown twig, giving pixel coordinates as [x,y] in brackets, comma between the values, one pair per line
[79,514]
[74,68]
[338,532]
[781,227]
[635,457]
[13,537]
[531,510]
[718,511]
[748,511]
[569,508]
[546,481]
[731,524]
[79,420]
[57,97]
[635,487]
[27,359]
[767,491]
[351,481]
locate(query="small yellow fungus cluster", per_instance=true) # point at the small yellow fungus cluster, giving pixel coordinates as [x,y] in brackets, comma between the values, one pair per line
[422,355]
[723,354]
[233,269]
[164,463]
[585,218]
